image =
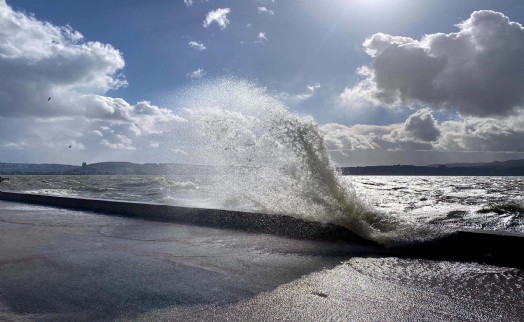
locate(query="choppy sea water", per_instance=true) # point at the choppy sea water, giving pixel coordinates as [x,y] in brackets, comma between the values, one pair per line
[494,203]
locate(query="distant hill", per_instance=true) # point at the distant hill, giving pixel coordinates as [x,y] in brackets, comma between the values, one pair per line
[102,168]
[128,168]
[44,168]
[495,164]
[505,168]
[498,168]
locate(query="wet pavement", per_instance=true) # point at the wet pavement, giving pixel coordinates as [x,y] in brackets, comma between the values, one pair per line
[58,264]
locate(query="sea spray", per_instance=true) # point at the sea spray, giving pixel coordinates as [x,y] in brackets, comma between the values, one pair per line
[274,161]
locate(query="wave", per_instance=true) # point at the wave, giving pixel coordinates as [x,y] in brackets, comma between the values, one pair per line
[507,208]
[182,185]
[277,161]
[53,192]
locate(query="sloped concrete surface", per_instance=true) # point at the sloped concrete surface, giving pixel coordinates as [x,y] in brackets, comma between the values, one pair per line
[58,264]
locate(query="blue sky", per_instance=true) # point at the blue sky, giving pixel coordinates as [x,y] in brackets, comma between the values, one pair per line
[305,53]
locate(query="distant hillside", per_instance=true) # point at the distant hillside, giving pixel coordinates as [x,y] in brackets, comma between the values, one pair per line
[128,168]
[495,164]
[506,168]
[22,168]
[102,168]
[498,168]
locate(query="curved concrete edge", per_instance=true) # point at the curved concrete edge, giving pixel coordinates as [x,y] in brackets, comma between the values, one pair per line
[492,247]
[238,220]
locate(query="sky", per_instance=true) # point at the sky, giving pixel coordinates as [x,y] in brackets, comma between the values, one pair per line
[387,82]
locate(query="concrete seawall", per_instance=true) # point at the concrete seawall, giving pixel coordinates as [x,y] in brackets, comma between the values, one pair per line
[499,248]
[237,220]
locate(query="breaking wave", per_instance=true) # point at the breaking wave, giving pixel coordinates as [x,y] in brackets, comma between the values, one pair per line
[275,161]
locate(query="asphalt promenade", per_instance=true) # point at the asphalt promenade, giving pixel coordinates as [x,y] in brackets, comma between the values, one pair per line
[59,264]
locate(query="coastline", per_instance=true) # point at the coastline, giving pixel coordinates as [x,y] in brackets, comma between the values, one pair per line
[493,247]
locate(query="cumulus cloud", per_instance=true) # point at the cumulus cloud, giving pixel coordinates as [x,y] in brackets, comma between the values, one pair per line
[339,137]
[218,16]
[197,45]
[483,134]
[196,74]
[53,89]
[264,10]
[476,71]
[422,132]
[420,125]
[371,137]
[39,60]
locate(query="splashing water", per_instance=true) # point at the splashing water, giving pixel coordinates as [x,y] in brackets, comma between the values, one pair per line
[275,161]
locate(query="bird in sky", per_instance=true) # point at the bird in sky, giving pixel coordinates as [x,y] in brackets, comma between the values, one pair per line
[70,146]
[49,99]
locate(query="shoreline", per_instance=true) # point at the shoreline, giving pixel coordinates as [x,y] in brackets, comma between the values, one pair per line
[492,247]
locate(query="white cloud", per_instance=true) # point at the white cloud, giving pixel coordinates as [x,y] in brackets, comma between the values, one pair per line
[264,10]
[419,132]
[118,146]
[197,45]
[261,38]
[196,74]
[422,132]
[190,3]
[39,60]
[313,88]
[476,71]
[371,137]
[483,134]
[310,92]
[218,16]
[342,138]
[18,146]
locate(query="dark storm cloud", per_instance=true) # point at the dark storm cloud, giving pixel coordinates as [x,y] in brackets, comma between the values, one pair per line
[422,125]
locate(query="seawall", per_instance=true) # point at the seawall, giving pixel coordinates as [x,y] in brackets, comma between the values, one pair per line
[218,218]
[494,247]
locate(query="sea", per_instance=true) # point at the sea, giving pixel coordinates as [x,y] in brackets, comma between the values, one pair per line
[449,202]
